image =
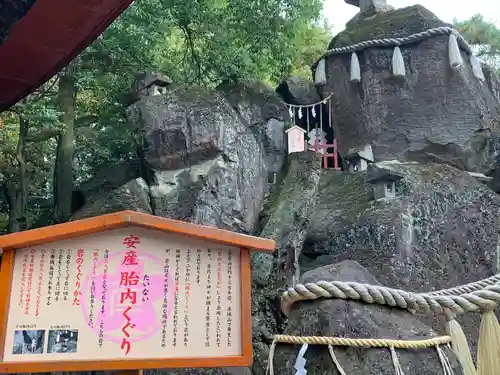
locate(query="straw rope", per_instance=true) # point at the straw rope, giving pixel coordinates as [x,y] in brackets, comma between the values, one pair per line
[467,288]
[364,343]
[391,42]
[386,42]
[482,299]
[392,345]
[322,101]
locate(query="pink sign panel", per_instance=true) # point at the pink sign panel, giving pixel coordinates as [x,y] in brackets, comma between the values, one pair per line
[124,293]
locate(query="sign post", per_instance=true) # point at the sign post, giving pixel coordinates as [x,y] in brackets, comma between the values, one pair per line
[125,291]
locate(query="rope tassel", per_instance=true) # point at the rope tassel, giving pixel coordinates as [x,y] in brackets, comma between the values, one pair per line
[270,359]
[477,69]
[320,74]
[445,362]
[454,54]
[335,360]
[398,63]
[395,362]
[488,348]
[355,69]
[460,347]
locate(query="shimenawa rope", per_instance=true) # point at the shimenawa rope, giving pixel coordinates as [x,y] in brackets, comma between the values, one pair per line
[480,299]
[364,343]
[391,42]
[483,295]
[456,43]
[360,343]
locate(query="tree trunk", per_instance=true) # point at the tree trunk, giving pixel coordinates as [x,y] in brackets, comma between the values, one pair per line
[63,176]
[16,190]
[15,211]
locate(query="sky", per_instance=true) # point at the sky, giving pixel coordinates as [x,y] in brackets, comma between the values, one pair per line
[338,12]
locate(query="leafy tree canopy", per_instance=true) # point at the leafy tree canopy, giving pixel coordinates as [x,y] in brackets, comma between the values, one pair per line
[484,35]
[75,123]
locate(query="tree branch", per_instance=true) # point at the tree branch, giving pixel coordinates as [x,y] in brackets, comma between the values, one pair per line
[188,34]
[43,136]
[85,120]
[46,134]
[44,92]
[100,54]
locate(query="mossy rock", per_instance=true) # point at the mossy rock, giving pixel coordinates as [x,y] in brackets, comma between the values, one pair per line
[392,24]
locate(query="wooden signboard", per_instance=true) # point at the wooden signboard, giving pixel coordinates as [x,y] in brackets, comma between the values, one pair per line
[125,291]
[296,141]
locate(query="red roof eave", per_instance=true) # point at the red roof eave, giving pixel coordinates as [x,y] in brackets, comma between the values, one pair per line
[43,42]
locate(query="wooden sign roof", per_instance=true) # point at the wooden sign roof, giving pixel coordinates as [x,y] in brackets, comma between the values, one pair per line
[131,218]
[38,38]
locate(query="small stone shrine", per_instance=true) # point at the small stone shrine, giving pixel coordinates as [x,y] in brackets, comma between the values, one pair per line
[383,181]
[360,159]
[148,83]
[368,9]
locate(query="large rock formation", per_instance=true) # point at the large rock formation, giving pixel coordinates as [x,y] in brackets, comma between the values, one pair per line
[289,215]
[352,319]
[434,107]
[206,157]
[208,166]
[133,195]
[440,231]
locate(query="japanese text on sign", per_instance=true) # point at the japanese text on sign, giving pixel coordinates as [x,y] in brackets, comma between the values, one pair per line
[124,294]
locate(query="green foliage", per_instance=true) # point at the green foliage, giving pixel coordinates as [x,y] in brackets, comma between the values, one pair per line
[9,132]
[200,42]
[484,35]
[41,118]
[310,43]
[238,40]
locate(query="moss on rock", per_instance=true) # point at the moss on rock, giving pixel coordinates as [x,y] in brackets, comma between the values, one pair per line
[393,24]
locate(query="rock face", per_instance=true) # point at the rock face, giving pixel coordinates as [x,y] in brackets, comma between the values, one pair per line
[481,153]
[206,156]
[208,166]
[290,211]
[265,114]
[107,180]
[356,320]
[297,90]
[432,107]
[493,81]
[440,231]
[134,195]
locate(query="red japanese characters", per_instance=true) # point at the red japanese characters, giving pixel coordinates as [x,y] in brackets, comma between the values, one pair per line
[78,292]
[128,279]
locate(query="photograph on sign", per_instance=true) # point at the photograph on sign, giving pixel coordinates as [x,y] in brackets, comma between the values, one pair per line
[129,293]
[62,341]
[28,341]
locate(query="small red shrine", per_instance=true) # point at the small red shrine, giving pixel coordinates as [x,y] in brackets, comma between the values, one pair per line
[39,37]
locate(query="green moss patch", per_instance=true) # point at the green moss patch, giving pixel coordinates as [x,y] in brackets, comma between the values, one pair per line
[393,24]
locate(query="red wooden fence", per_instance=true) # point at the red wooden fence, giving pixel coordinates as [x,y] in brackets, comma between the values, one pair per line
[324,151]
